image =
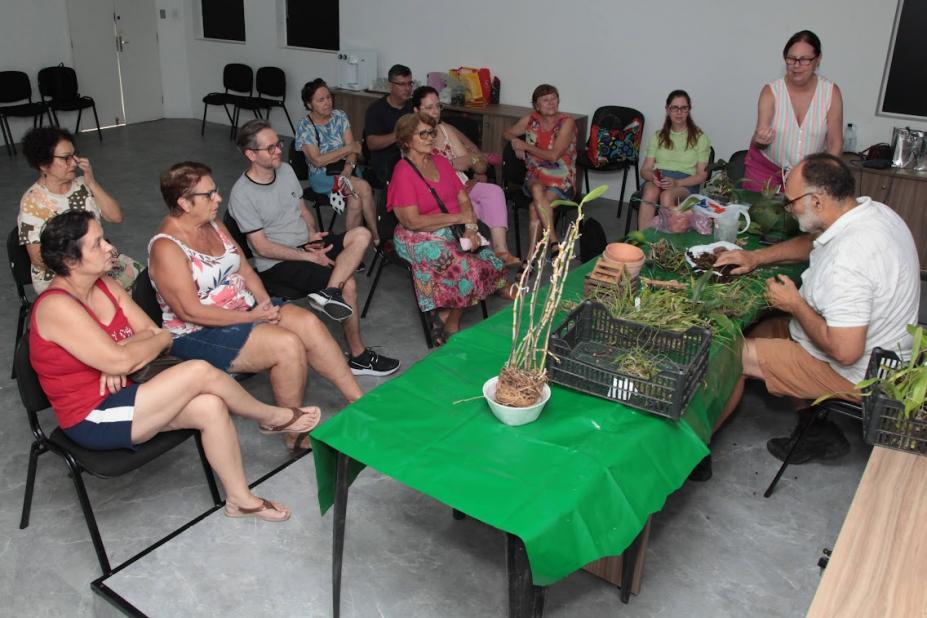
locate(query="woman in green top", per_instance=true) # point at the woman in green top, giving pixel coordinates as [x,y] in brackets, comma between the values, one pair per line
[677,159]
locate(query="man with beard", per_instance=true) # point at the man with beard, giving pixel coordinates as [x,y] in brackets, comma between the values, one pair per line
[860,291]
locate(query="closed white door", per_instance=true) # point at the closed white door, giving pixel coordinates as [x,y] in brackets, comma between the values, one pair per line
[115,47]
[93,43]
[139,60]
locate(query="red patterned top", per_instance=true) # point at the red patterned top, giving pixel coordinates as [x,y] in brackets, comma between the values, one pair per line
[72,387]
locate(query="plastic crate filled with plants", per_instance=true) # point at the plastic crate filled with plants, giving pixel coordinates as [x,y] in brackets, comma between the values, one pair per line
[645,342]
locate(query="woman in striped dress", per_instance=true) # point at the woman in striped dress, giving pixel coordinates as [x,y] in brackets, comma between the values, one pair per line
[798,114]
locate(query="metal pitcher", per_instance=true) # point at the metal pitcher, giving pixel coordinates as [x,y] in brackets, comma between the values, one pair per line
[903,142]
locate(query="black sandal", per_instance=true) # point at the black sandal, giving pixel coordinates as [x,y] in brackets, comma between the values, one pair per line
[439,336]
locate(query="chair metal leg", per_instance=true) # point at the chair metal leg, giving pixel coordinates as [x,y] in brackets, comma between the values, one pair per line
[525,599]
[80,113]
[292,128]
[342,466]
[89,517]
[203,125]
[586,177]
[788,457]
[373,287]
[7,136]
[210,477]
[624,182]
[331,221]
[93,107]
[34,451]
[483,309]
[377,254]
[318,216]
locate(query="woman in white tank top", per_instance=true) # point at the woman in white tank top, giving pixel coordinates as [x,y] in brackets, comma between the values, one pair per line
[798,114]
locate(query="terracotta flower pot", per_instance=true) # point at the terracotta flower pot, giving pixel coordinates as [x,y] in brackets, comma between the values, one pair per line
[623,254]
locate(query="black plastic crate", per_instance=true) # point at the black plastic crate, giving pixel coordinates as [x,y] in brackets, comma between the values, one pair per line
[884,423]
[583,351]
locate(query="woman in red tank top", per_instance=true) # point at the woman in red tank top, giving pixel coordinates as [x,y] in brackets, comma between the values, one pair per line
[87,335]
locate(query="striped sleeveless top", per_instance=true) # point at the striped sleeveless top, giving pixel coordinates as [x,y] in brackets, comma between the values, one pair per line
[793,142]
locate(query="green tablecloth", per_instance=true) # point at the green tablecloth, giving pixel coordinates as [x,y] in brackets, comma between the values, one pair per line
[576,485]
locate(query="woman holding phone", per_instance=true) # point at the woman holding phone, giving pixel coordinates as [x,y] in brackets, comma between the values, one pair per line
[676,162]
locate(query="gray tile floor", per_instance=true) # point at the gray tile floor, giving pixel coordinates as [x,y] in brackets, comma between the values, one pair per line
[717,548]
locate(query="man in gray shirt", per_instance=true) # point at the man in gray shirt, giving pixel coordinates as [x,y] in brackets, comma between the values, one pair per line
[267,204]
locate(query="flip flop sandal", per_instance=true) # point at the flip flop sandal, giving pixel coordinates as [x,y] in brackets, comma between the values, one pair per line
[260,512]
[285,428]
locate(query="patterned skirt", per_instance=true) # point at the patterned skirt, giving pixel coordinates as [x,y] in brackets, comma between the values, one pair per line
[447,277]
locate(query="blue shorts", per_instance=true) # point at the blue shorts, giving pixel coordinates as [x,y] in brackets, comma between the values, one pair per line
[217,345]
[109,425]
[678,176]
[321,183]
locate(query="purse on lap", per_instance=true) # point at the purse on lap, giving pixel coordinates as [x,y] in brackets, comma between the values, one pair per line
[156,366]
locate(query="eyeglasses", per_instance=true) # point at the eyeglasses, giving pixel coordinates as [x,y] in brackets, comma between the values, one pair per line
[211,194]
[676,109]
[802,62]
[67,157]
[402,84]
[278,146]
[789,204]
[427,134]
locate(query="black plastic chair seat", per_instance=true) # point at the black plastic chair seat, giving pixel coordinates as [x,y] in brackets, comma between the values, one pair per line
[71,105]
[582,160]
[222,98]
[24,109]
[110,464]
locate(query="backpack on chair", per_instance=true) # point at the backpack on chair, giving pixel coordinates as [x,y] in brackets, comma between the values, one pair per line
[592,239]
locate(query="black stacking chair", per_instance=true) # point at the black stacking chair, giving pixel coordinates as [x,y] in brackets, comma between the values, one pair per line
[101,464]
[237,78]
[297,161]
[270,84]
[735,165]
[16,100]
[58,85]
[22,276]
[143,293]
[634,204]
[386,254]
[626,116]
[513,178]
[272,288]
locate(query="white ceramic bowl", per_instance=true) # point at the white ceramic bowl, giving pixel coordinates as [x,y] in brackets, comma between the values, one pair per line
[509,415]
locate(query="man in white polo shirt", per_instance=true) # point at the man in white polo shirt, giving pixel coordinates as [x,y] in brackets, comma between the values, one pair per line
[860,291]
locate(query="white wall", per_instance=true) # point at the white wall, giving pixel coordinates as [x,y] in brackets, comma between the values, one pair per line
[33,35]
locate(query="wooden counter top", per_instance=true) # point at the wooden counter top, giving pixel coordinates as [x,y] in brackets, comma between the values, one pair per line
[879,564]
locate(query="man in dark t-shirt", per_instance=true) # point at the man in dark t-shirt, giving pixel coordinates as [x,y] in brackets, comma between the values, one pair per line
[381,118]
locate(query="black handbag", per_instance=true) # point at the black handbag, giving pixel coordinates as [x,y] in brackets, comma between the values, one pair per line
[156,366]
[332,169]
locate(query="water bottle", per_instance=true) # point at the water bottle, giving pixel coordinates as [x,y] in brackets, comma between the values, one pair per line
[849,138]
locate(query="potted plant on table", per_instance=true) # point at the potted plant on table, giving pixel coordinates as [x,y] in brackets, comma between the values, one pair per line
[518,394]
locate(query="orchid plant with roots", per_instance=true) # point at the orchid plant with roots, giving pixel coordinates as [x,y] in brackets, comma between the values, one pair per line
[523,376]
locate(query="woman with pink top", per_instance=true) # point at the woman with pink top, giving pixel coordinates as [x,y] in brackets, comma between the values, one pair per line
[488,199]
[798,114]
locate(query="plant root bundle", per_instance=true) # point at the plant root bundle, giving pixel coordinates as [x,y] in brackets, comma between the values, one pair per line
[519,388]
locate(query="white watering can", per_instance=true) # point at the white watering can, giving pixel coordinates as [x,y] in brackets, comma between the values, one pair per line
[727,219]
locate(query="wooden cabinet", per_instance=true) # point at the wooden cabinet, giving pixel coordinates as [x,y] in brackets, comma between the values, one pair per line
[494,119]
[902,190]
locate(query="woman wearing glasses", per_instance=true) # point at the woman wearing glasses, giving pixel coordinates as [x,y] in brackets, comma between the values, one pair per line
[451,270]
[51,151]
[487,198]
[325,138]
[215,306]
[798,115]
[676,162]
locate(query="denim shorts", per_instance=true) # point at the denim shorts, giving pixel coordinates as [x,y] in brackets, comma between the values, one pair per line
[678,176]
[217,345]
[109,425]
